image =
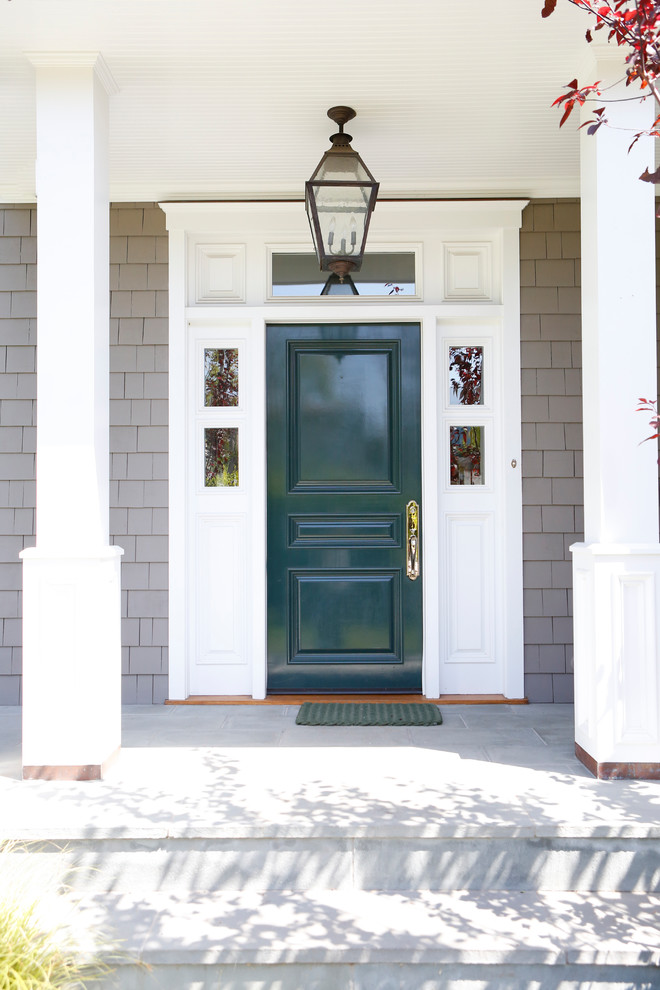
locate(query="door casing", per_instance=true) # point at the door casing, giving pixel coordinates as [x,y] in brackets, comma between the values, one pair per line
[444,230]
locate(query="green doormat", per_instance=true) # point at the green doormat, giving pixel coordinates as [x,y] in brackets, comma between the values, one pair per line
[349,713]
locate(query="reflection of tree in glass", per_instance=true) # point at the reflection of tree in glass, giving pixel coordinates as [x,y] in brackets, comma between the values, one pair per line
[465,446]
[465,374]
[220,376]
[221,458]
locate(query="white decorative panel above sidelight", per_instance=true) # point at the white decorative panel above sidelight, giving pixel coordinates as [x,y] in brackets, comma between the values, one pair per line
[218,274]
[470,561]
[468,272]
[221,600]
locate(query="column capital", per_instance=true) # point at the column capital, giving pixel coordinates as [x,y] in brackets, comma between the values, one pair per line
[603,58]
[76,60]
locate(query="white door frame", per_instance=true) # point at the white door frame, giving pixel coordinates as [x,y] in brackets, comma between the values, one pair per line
[468,277]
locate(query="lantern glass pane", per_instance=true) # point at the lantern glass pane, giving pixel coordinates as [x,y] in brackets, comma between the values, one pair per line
[341,168]
[342,220]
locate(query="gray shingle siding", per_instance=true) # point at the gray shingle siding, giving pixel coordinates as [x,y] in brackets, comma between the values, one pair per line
[551,434]
[138,442]
[551,356]
[18,326]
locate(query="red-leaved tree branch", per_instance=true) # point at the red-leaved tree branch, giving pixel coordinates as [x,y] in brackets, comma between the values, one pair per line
[633,25]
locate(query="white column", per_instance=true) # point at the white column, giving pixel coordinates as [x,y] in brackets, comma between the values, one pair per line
[617,568]
[71,582]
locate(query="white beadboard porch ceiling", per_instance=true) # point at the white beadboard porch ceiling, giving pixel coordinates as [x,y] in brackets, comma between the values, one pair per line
[228,98]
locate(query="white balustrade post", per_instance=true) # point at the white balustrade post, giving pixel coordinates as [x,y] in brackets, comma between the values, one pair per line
[71,579]
[617,569]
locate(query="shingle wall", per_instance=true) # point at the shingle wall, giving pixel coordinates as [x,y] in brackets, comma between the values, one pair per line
[551,440]
[18,389]
[138,442]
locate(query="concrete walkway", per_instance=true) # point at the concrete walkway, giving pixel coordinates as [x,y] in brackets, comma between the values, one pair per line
[238,769]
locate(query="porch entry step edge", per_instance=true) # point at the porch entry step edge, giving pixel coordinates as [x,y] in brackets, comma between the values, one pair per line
[318,926]
[449,829]
[379,976]
[391,864]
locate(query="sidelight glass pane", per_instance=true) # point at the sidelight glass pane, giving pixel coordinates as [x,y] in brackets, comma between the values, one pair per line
[220,376]
[221,457]
[466,376]
[466,452]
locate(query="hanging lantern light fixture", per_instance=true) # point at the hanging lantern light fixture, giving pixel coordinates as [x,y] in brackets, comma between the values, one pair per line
[340,198]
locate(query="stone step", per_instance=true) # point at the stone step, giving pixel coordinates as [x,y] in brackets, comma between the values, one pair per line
[366,940]
[302,859]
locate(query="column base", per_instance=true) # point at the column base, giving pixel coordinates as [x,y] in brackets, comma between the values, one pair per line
[71,663]
[616,594]
[88,771]
[618,771]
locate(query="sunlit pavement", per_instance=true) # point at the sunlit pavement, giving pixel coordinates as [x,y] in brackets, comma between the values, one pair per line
[242,766]
[229,844]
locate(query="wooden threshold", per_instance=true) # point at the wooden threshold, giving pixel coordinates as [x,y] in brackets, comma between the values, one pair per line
[298,699]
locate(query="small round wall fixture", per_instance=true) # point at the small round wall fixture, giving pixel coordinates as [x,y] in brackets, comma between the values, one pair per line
[340,198]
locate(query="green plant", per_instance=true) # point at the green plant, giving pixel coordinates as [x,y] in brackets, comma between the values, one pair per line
[43,945]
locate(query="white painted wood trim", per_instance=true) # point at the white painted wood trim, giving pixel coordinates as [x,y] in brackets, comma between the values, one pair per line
[409,215]
[178,508]
[258,510]
[430,511]
[262,224]
[514,683]
[512,600]
[68,60]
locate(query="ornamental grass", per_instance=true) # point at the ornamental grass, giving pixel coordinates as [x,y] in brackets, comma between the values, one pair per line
[44,943]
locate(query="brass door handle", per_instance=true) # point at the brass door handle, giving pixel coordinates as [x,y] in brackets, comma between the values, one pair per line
[412,540]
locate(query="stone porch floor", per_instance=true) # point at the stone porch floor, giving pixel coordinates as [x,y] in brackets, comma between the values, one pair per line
[230,847]
[237,768]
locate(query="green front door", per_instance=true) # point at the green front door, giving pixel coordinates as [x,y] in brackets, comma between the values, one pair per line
[343,462]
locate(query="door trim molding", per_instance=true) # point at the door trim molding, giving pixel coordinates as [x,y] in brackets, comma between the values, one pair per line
[417,221]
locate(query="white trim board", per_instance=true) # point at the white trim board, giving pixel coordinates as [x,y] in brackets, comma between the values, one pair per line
[486,522]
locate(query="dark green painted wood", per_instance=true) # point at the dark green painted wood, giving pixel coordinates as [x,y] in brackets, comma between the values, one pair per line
[344,458]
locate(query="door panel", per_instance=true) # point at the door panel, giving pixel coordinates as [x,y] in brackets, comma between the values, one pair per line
[343,461]
[345,616]
[340,421]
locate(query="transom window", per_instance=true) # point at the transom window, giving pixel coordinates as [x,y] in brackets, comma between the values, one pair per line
[296,274]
